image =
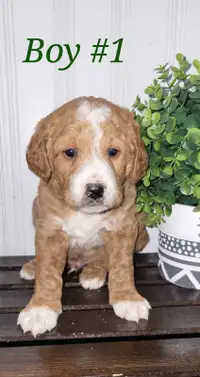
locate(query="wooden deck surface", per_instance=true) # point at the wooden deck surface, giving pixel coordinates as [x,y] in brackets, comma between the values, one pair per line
[90,340]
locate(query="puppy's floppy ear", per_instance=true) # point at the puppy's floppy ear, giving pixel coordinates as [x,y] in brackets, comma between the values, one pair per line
[138,158]
[37,155]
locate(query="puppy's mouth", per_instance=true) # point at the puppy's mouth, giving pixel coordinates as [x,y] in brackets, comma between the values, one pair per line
[93,206]
[95,210]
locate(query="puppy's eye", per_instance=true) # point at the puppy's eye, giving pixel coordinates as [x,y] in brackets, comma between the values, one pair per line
[71,152]
[112,152]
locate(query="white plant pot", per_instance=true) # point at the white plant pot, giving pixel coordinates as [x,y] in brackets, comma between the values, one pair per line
[179,247]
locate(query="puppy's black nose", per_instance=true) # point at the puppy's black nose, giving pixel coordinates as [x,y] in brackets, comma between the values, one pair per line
[94,190]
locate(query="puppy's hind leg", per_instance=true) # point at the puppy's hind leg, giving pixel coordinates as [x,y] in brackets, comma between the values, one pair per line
[143,237]
[28,270]
[94,273]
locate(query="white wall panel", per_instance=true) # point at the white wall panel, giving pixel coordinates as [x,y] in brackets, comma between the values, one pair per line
[11,231]
[153,31]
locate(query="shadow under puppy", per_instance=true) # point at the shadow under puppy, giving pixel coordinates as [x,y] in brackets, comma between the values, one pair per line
[89,156]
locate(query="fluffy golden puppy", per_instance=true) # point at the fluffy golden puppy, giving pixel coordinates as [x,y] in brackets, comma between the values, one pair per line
[89,156]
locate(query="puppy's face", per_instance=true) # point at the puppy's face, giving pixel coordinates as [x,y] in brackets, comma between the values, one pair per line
[89,153]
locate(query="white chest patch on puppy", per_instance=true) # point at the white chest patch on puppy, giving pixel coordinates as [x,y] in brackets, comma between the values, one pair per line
[84,230]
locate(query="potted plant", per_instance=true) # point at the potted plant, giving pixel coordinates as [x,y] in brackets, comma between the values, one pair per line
[169,193]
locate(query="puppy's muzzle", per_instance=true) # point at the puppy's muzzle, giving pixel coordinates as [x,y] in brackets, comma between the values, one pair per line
[95,191]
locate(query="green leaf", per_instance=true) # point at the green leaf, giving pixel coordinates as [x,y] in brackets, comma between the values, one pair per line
[151,133]
[168,211]
[181,174]
[158,199]
[196,64]
[159,93]
[146,141]
[195,95]
[196,192]
[175,91]
[175,69]
[188,85]
[194,79]
[189,146]
[141,107]
[149,90]
[174,138]
[154,158]
[182,155]
[155,130]
[146,122]
[159,128]
[147,208]
[189,200]
[148,173]
[167,172]
[184,66]
[139,207]
[173,105]
[186,188]
[155,105]
[197,165]
[193,137]
[155,118]
[169,198]
[167,101]
[168,159]
[158,209]
[195,179]
[180,57]
[197,208]
[171,124]
[155,172]
[161,68]
[164,116]
[167,153]
[166,185]
[164,75]
[147,113]
[180,115]
[146,179]
[183,96]
[156,145]
[195,109]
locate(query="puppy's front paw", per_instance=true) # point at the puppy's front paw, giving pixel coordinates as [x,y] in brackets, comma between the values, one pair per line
[132,310]
[37,320]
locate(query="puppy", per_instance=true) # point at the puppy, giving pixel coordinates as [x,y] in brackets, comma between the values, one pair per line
[89,156]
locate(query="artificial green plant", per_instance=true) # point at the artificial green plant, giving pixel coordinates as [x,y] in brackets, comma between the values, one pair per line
[170,128]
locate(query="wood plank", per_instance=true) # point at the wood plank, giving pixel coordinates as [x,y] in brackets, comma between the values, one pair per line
[89,324]
[16,262]
[162,358]
[11,279]
[146,260]
[80,299]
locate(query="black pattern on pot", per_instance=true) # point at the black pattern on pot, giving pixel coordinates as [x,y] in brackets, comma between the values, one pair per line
[179,246]
[179,261]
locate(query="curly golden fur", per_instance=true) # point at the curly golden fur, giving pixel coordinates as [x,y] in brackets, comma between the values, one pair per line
[101,233]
